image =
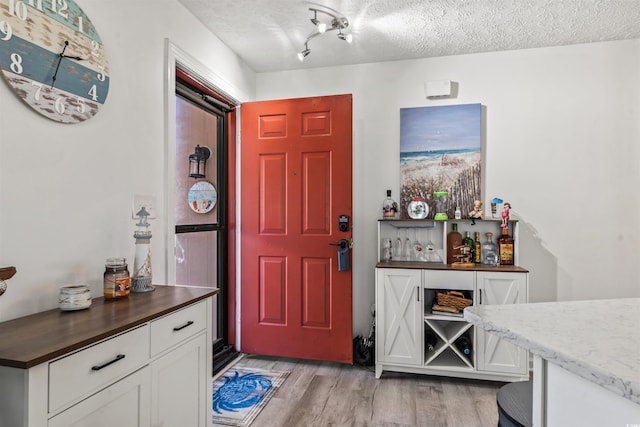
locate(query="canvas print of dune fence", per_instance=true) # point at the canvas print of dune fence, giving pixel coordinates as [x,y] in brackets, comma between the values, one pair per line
[440,150]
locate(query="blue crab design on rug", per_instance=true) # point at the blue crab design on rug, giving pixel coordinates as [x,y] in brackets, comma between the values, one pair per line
[240,391]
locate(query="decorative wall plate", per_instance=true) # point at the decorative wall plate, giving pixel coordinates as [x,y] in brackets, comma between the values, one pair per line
[202,197]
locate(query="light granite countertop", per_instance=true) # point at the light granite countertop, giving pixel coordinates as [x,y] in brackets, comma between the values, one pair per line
[598,340]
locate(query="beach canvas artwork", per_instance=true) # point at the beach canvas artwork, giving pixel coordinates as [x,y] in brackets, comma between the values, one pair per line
[440,150]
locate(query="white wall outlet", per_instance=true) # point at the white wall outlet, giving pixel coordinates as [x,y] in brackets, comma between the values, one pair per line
[149,203]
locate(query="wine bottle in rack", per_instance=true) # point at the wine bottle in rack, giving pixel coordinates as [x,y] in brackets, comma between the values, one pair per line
[430,339]
[464,345]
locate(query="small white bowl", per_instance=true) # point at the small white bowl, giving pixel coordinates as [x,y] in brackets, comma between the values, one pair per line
[74,297]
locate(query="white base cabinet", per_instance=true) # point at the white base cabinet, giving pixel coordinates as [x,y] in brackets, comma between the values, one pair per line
[498,355]
[180,386]
[124,403]
[155,374]
[399,316]
[410,338]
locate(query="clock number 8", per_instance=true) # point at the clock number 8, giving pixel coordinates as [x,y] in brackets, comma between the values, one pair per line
[5,28]
[16,63]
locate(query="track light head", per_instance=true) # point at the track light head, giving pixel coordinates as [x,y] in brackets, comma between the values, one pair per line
[314,20]
[303,54]
[346,37]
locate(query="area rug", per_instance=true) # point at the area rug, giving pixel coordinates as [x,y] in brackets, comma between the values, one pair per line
[240,394]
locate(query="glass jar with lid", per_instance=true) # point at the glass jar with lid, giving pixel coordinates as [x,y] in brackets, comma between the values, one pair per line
[117,282]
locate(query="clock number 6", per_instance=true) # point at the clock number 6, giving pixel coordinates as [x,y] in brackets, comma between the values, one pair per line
[5,28]
[59,106]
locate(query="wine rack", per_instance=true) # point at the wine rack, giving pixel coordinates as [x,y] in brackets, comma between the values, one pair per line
[447,329]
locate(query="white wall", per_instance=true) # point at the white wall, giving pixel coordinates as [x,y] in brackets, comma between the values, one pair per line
[563,133]
[562,146]
[66,191]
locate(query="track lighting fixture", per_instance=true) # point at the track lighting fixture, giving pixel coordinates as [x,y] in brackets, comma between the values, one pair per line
[339,23]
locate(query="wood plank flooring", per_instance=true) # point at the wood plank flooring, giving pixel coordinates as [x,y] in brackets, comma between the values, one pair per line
[319,394]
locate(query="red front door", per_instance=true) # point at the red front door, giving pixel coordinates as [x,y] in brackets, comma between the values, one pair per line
[295,183]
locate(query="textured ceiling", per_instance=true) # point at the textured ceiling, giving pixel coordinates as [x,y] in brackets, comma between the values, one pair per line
[267,34]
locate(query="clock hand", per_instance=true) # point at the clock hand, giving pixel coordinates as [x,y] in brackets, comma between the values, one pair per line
[60,55]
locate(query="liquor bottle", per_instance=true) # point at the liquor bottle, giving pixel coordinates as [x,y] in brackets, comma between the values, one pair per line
[468,241]
[477,254]
[489,251]
[453,239]
[464,345]
[505,248]
[457,214]
[389,206]
[430,339]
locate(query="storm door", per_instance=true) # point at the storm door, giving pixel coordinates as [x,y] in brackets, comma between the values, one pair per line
[201,198]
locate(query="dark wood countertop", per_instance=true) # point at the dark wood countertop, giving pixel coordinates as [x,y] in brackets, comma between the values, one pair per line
[441,266]
[37,338]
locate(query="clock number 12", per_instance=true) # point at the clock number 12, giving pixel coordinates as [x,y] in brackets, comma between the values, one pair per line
[62,9]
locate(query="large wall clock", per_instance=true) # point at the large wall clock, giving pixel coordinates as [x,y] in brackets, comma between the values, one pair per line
[53,58]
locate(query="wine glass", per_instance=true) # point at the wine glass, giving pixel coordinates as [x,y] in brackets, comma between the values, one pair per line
[397,248]
[408,247]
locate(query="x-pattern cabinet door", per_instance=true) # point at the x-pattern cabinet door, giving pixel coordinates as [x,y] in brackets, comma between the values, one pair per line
[496,355]
[399,316]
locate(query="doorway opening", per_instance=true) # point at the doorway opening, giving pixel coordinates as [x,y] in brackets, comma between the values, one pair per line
[204,120]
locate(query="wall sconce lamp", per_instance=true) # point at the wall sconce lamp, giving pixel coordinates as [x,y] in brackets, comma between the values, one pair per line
[198,161]
[338,23]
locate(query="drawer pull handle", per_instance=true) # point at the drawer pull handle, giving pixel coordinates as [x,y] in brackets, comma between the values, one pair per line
[98,367]
[179,328]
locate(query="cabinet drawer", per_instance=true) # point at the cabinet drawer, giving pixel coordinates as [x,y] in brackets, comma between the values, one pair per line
[95,367]
[450,279]
[178,326]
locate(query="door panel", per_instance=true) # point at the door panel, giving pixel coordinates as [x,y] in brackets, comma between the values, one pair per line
[273,291]
[273,194]
[316,296]
[497,355]
[316,193]
[399,316]
[296,182]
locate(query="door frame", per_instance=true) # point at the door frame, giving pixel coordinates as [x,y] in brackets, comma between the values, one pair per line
[177,57]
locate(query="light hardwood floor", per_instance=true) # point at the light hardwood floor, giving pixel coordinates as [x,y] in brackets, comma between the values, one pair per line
[318,394]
